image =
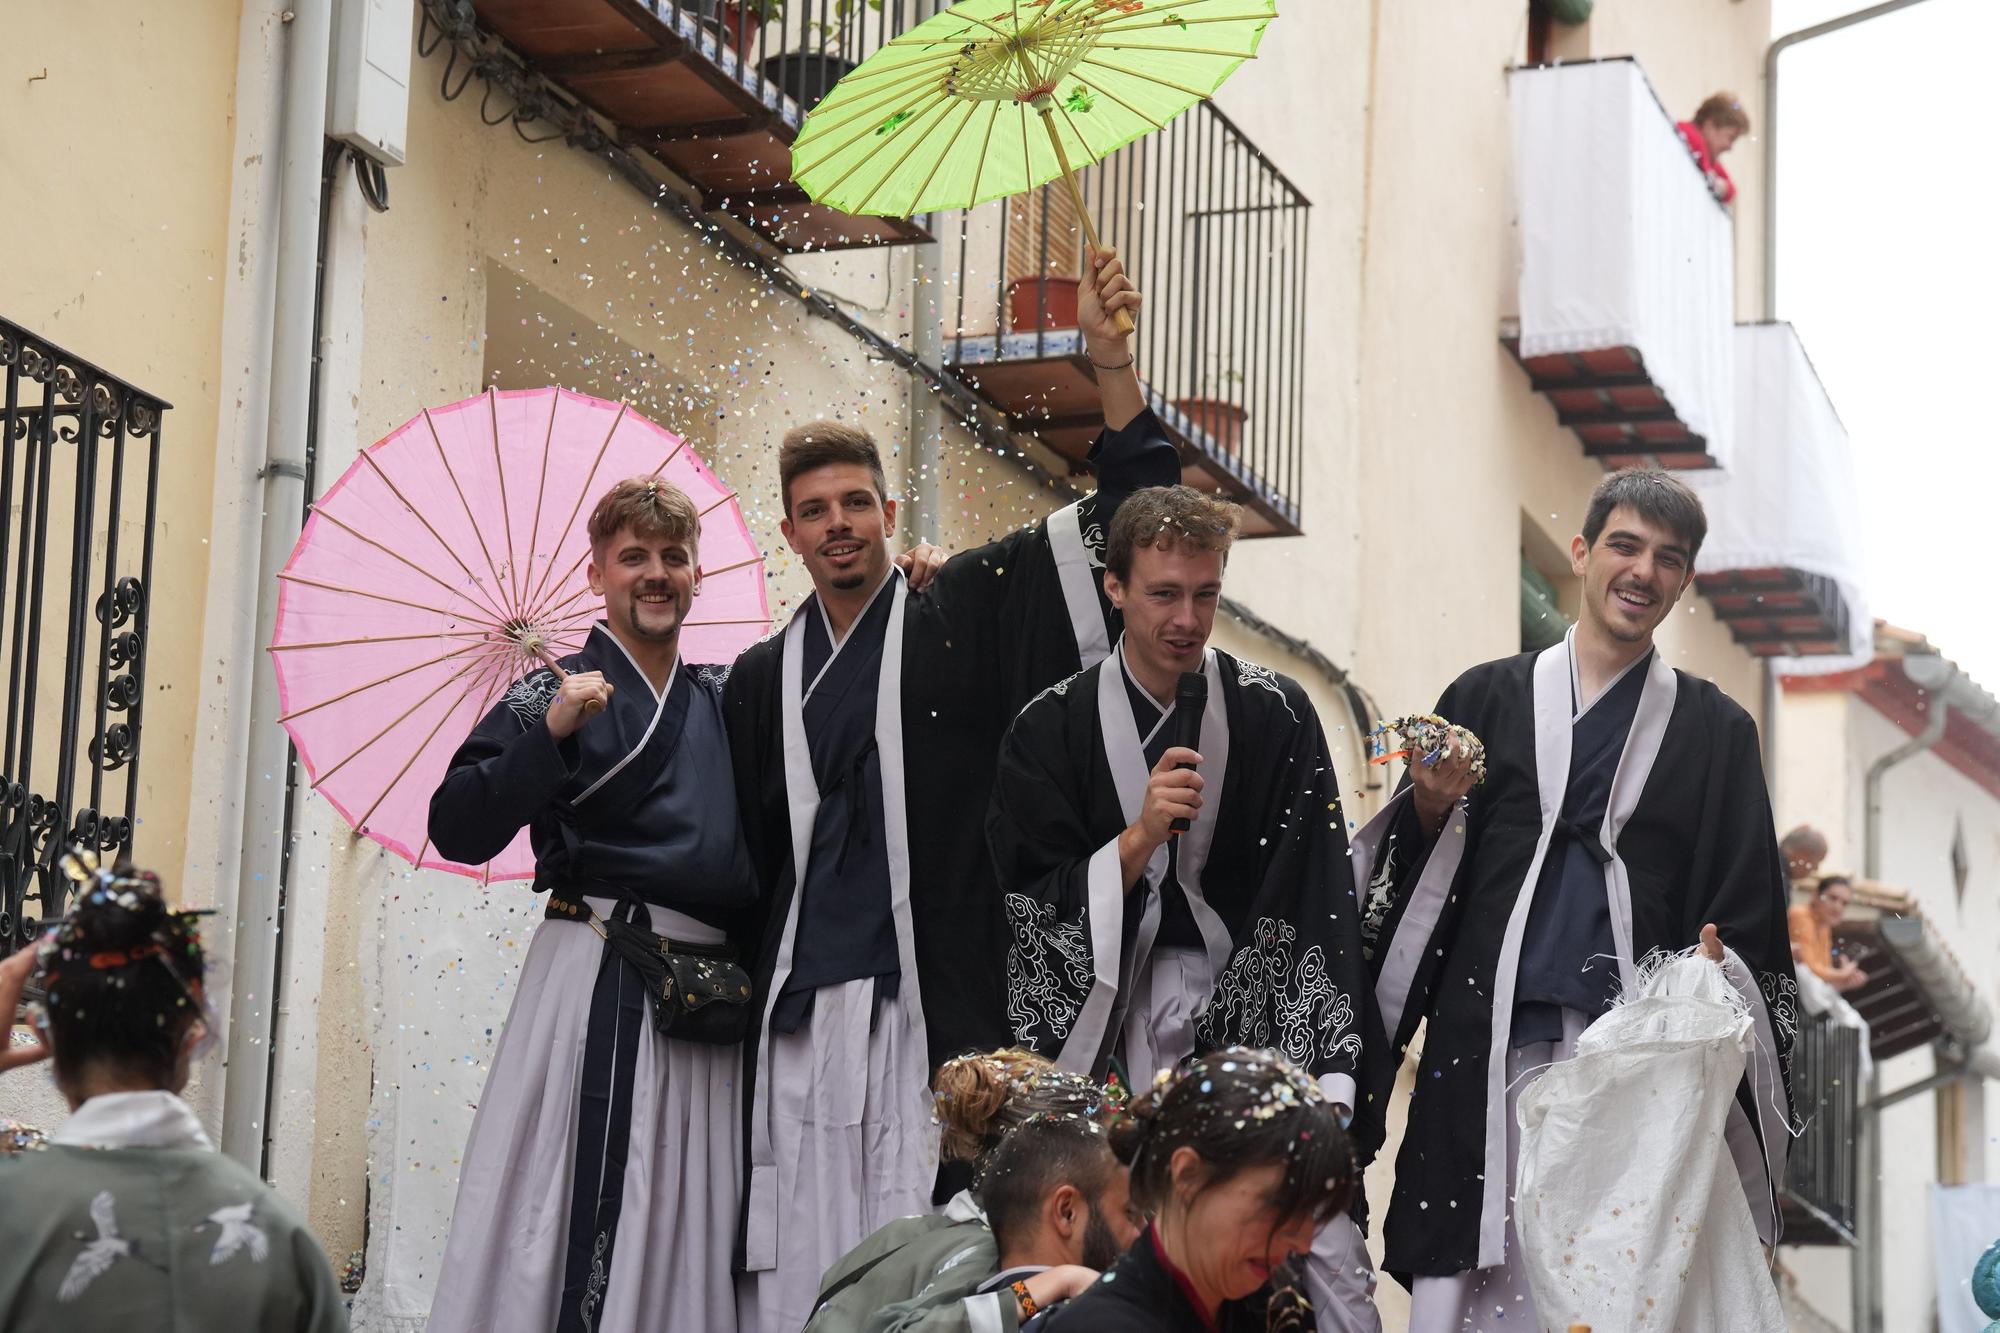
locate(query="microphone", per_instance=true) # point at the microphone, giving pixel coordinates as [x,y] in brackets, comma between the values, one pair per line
[1190,702]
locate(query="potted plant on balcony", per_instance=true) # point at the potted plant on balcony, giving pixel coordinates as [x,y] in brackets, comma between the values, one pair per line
[1044,301]
[739,21]
[808,76]
[1214,415]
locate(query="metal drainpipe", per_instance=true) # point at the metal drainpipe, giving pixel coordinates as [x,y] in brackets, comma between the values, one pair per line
[1777,49]
[1866,1277]
[254,979]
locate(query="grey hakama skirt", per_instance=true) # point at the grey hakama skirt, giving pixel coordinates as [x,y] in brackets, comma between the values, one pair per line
[1497,1299]
[854,1147]
[643,1130]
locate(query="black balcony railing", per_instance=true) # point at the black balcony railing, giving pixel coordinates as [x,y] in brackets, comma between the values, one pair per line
[716,90]
[1216,237]
[1819,1188]
[79,474]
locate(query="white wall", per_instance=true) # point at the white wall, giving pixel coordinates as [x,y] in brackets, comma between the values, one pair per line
[1828,741]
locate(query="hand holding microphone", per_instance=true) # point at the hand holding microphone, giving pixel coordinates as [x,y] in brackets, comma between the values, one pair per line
[1173,789]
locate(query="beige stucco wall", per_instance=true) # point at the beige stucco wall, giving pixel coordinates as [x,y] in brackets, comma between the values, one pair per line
[116,231]
[1828,740]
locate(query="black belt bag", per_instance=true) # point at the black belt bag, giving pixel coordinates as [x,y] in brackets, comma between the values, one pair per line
[697,992]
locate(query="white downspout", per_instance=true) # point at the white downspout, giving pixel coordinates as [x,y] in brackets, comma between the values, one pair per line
[253,981]
[1930,674]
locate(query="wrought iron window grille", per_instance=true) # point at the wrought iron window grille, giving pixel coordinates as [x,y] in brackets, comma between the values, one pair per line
[74,614]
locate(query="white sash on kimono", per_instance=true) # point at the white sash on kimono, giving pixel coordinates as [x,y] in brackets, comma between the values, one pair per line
[802,800]
[1076,573]
[1110,992]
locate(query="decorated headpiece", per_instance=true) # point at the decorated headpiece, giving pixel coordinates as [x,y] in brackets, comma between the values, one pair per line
[66,949]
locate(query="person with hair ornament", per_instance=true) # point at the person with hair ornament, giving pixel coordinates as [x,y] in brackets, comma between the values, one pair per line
[1240,1163]
[125,1217]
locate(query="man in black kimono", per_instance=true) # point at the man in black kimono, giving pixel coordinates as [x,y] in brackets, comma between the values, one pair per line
[602,1175]
[1624,812]
[863,736]
[1130,940]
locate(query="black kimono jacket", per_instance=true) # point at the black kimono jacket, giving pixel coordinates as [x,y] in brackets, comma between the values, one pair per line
[1140,1294]
[1263,869]
[1689,840]
[1000,622]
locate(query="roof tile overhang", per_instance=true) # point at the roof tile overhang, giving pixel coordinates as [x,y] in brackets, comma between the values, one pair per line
[1970,745]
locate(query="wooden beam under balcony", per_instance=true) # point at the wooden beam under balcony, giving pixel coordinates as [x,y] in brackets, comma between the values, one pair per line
[1779,612]
[675,88]
[1620,416]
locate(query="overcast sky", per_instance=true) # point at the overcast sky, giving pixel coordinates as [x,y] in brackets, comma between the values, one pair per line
[1889,266]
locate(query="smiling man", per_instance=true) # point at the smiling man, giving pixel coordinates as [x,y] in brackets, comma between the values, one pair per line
[863,736]
[601,1177]
[1134,942]
[1624,811]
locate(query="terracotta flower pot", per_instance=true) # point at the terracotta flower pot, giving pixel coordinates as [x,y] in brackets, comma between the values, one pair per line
[1220,421]
[1041,303]
[740,26]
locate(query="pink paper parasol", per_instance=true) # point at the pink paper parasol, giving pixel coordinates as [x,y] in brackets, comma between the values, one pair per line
[445,565]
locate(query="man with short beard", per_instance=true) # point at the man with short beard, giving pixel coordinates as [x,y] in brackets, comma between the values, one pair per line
[1047,1214]
[1623,812]
[864,736]
[601,1176]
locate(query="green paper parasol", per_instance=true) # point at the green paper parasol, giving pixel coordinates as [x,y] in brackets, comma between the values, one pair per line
[994,97]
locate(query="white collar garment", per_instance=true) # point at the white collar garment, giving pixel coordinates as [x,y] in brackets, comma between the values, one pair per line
[156,1119]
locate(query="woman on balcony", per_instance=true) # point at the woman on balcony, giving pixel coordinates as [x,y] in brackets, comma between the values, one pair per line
[1812,934]
[1718,123]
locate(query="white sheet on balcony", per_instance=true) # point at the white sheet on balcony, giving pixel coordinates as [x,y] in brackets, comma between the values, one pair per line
[1789,498]
[1622,243]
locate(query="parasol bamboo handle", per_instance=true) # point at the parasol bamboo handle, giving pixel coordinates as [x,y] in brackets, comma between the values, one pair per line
[1123,318]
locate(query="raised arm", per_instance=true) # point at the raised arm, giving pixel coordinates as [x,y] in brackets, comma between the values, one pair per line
[1132,452]
[506,772]
[1104,292]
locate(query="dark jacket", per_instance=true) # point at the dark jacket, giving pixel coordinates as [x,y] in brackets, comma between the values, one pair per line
[1141,1294]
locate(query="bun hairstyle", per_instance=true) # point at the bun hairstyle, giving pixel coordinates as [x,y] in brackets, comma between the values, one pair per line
[980,1097]
[121,975]
[1238,1109]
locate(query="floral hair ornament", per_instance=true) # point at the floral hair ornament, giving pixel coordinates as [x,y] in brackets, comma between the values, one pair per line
[1425,740]
[175,943]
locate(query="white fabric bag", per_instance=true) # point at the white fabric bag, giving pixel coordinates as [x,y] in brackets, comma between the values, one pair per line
[1629,1208]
